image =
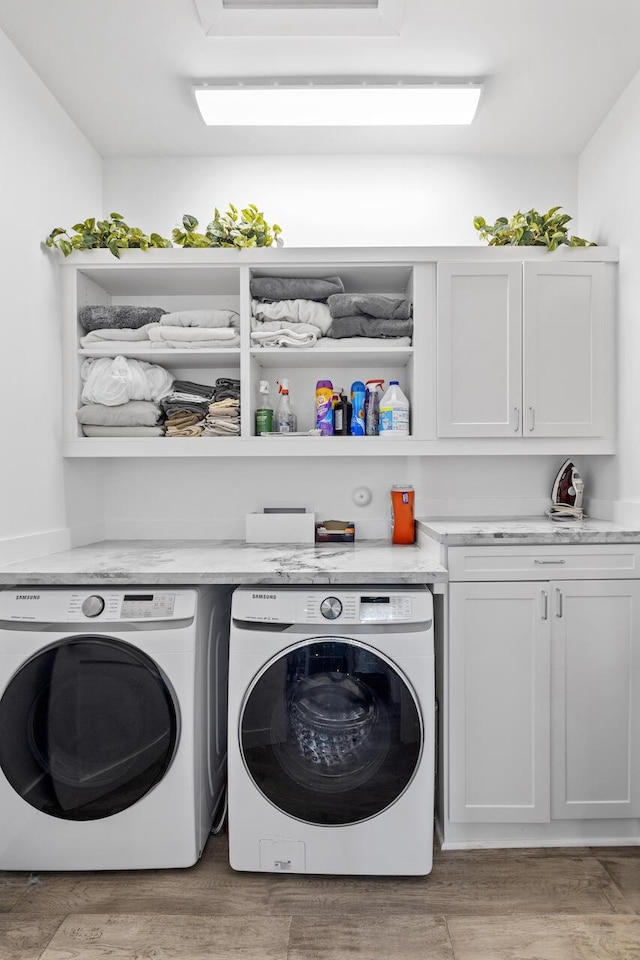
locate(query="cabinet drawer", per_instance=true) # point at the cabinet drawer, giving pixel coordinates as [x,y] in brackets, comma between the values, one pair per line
[576,562]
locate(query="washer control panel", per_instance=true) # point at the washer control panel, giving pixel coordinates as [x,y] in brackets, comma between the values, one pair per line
[332,605]
[98,605]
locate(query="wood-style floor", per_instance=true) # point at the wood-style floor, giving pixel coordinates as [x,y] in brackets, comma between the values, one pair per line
[576,904]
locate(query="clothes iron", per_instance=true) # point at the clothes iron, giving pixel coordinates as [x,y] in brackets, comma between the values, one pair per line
[567,494]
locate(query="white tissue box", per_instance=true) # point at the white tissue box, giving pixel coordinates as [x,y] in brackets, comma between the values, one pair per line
[280,527]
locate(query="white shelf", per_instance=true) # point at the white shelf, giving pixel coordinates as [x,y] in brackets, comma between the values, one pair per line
[238,447]
[205,358]
[299,357]
[326,447]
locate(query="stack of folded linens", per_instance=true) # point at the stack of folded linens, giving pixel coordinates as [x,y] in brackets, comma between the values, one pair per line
[196,330]
[131,329]
[121,397]
[223,419]
[369,315]
[186,407]
[291,311]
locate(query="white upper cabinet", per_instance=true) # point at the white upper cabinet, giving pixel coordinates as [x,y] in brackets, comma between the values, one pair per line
[506,344]
[525,349]
[479,349]
[567,342]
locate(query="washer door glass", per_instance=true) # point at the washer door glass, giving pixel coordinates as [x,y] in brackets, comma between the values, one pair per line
[330,732]
[89,726]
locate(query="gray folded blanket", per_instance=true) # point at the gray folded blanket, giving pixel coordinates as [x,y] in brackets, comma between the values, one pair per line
[134,413]
[295,288]
[362,326]
[101,316]
[103,431]
[353,304]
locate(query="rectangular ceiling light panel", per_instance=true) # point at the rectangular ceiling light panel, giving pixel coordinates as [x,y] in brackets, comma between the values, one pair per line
[331,105]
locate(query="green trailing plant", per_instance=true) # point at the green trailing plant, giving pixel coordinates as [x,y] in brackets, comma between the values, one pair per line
[111,233]
[235,228]
[530,229]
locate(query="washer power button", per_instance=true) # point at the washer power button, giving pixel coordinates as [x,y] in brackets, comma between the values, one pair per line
[331,608]
[92,606]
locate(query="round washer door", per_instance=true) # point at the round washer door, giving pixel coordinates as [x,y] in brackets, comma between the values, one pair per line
[89,726]
[331,732]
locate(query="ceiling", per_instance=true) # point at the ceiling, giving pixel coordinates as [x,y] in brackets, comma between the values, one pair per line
[123,69]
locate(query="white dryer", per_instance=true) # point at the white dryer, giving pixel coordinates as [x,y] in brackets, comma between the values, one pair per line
[113,723]
[331,730]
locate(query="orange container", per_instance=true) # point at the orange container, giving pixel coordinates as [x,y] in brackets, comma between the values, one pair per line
[402,521]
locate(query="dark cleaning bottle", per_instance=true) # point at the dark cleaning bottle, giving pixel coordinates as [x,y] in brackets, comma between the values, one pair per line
[342,416]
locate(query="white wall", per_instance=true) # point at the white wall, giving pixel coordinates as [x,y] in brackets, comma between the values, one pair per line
[341,201]
[318,201]
[609,212]
[49,176]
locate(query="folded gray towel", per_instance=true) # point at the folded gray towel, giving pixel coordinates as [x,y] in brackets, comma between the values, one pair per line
[102,316]
[295,288]
[370,327]
[353,304]
[134,413]
[100,431]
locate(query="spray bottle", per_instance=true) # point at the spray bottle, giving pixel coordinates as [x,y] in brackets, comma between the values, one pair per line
[264,412]
[285,417]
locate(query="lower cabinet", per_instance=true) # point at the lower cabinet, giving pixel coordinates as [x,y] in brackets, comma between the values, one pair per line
[544,683]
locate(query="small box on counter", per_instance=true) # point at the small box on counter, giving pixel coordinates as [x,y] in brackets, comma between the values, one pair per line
[336,531]
[280,526]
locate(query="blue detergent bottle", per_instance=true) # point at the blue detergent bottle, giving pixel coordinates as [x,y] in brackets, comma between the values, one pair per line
[357,408]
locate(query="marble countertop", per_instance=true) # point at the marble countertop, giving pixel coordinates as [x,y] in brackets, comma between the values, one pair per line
[527,530]
[226,561]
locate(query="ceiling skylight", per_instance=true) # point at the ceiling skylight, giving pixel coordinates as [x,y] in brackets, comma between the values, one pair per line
[301,18]
[299,4]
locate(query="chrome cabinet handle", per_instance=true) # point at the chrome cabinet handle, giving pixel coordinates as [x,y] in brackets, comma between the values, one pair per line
[559,602]
[545,605]
[517,413]
[541,562]
[532,418]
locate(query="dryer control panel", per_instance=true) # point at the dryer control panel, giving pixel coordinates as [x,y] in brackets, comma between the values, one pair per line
[96,605]
[333,605]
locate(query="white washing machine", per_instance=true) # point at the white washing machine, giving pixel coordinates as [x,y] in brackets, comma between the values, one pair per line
[331,730]
[113,721]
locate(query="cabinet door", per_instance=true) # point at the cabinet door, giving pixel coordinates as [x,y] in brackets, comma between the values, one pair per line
[567,341]
[479,348]
[595,718]
[499,702]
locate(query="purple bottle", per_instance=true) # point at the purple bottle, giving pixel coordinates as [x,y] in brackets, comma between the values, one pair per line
[324,407]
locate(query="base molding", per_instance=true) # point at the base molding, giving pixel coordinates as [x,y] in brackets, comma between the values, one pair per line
[556,833]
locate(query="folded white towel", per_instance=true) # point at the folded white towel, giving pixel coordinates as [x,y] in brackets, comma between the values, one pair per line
[195,344]
[271,326]
[294,311]
[283,338]
[208,335]
[202,318]
[109,334]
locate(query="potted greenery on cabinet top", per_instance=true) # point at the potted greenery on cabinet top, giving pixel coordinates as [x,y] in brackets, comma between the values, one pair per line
[235,228]
[530,229]
[112,233]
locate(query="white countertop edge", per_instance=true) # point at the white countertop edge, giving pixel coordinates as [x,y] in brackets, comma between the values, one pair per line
[172,562]
[522,531]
